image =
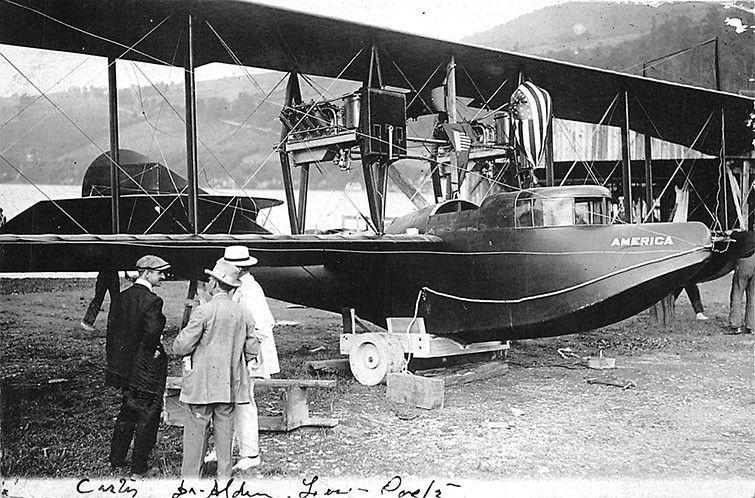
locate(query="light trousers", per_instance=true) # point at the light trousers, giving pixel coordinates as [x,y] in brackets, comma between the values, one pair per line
[743,281]
[195,440]
[247,426]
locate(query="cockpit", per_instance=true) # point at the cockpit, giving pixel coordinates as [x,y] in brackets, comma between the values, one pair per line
[584,205]
[561,211]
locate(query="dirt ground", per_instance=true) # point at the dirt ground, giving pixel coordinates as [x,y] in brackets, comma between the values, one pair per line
[686,413]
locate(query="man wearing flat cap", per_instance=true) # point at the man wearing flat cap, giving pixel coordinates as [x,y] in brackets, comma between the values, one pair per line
[220,340]
[137,364]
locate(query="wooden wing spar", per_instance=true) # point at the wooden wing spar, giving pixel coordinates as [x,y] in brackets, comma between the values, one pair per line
[242,32]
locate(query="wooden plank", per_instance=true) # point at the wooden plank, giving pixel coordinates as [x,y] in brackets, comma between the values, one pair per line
[481,372]
[443,346]
[320,422]
[398,325]
[422,392]
[293,403]
[175,383]
[273,383]
[348,318]
[338,365]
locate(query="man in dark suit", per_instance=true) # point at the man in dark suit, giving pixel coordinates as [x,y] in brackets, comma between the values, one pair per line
[137,363]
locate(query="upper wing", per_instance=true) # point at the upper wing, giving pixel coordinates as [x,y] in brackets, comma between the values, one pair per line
[190,253]
[280,39]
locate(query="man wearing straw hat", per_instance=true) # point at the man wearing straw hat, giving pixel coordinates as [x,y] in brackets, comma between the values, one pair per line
[137,363]
[220,340]
[251,296]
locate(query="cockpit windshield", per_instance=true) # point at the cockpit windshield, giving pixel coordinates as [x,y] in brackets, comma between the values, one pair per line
[561,211]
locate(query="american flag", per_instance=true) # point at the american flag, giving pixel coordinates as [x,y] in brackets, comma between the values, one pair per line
[531,109]
[461,137]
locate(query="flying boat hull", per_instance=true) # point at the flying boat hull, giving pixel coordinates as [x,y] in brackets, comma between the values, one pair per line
[507,284]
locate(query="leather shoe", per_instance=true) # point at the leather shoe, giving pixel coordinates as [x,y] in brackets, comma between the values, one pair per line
[733,331]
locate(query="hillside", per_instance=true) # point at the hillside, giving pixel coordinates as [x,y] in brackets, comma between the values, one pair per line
[238,129]
[621,36]
[583,24]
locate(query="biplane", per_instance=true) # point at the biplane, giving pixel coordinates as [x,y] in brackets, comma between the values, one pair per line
[500,252]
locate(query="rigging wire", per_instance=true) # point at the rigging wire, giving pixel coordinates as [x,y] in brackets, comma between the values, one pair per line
[608,113]
[20,173]
[477,89]
[73,123]
[665,57]
[656,202]
[486,103]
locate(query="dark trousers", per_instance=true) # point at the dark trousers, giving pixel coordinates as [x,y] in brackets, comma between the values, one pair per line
[693,293]
[107,281]
[139,420]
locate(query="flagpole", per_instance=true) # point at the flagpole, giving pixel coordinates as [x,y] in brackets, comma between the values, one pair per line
[451,109]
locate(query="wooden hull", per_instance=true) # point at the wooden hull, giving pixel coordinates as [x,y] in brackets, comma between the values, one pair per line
[508,284]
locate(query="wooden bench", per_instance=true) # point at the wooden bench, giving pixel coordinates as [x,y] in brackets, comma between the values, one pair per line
[292,403]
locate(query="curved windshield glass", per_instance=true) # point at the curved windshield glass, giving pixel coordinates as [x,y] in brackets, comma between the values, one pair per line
[561,211]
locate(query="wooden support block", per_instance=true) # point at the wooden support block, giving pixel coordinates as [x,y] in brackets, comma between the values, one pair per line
[422,392]
[663,313]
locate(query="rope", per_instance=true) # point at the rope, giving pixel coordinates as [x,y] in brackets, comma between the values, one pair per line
[560,291]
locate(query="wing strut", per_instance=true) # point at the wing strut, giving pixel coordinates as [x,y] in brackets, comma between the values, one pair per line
[626,160]
[451,108]
[115,184]
[374,167]
[293,98]
[191,125]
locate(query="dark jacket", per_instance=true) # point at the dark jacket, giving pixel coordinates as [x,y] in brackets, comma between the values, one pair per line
[135,355]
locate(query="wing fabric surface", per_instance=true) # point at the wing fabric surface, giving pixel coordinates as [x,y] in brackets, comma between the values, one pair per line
[284,40]
[189,253]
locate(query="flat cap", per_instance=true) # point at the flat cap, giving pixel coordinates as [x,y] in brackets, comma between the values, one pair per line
[150,262]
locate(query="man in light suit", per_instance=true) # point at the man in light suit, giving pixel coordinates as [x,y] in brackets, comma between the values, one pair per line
[137,363]
[251,296]
[220,339]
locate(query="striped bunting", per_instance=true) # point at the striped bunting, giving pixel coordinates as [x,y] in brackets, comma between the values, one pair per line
[531,109]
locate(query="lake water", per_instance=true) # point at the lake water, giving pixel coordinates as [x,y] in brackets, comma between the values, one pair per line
[325,210]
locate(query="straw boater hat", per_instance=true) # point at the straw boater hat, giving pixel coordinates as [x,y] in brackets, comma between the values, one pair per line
[238,256]
[151,262]
[226,273]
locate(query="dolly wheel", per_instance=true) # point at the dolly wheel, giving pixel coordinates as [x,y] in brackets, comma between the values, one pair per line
[374,358]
